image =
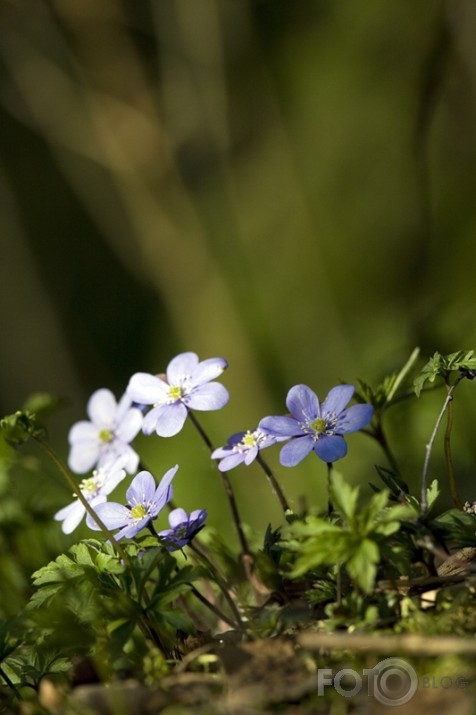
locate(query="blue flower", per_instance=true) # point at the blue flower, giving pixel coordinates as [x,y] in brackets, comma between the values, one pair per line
[186,385]
[312,426]
[243,447]
[95,489]
[111,427]
[183,527]
[145,502]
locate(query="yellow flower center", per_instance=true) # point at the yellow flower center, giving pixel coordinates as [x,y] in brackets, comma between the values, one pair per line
[319,425]
[105,435]
[139,512]
[174,393]
[249,440]
[89,487]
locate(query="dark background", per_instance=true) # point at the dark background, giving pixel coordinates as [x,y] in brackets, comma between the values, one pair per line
[289,184]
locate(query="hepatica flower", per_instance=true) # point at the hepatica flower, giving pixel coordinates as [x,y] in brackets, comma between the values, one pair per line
[145,500]
[107,435]
[243,447]
[312,426]
[95,489]
[187,385]
[183,527]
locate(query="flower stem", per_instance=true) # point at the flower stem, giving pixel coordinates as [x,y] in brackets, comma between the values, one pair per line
[275,486]
[429,447]
[449,460]
[330,507]
[211,606]
[227,486]
[220,582]
[10,684]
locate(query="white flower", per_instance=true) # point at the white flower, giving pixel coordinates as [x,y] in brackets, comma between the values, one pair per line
[112,426]
[95,490]
[188,385]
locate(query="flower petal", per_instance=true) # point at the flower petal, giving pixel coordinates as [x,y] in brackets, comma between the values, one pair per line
[221,452]
[102,407]
[302,403]
[82,431]
[170,419]
[295,451]
[71,516]
[212,396]
[330,447]
[118,450]
[199,515]
[131,529]
[141,489]
[124,404]
[181,366]
[147,389]
[113,478]
[83,456]
[164,491]
[281,426]
[235,438]
[208,370]
[251,455]
[149,423]
[129,426]
[337,399]
[231,461]
[354,418]
[111,514]
[177,516]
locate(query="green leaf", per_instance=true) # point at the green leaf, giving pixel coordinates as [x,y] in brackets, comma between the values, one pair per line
[369,514]
[442,365]
[18,427]
[61,569]
[343,496]
[456,525]
[313,526]
[333,547]
[392,481]
[432,493]
[362,565]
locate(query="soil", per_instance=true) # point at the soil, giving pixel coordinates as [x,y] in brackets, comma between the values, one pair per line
[279,675]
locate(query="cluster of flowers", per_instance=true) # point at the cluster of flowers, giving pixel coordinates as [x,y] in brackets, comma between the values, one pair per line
[103,443]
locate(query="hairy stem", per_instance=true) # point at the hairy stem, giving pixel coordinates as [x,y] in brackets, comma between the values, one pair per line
[221,583]
[211,606]
[449,460]
[429,446]
[275,486]
[11,685]
[330,507]
[245,550]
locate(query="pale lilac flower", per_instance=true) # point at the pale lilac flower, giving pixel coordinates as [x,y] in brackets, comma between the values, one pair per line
[95,489]
[243,447]
[145,500]
[112,426]
[183,527]
[187,385]
[312,426]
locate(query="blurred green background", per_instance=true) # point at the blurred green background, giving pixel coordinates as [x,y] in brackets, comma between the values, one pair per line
[289,184]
